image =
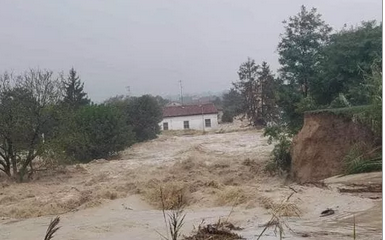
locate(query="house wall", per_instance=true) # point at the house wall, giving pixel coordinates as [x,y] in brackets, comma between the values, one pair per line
[196,122]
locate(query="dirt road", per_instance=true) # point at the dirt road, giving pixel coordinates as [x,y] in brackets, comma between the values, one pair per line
[119,199]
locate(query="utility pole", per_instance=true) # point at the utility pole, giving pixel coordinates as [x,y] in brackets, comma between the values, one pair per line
[181,92]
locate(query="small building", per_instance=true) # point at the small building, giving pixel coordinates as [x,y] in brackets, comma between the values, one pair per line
[199,117]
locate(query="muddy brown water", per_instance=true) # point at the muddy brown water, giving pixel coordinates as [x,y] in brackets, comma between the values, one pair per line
[112,210]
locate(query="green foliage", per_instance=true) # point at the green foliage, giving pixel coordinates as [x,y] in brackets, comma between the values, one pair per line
[120,102]
[227,117]
[144,115]
[288,99]
[369,115]
[99,132]
[373,85]
[24,104]
[346,58]
[340,102]
[299,55]
[306,104]
[247,86]
[320,71]
[268,97]
[281,152]
[218,102]
[232,105]
[74,95]
[299,49]
[161,101]
[361,160]
[257,86]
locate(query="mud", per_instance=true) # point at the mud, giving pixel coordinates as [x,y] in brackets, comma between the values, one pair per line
[222,176]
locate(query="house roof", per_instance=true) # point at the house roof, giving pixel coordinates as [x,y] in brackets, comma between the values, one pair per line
[188,110]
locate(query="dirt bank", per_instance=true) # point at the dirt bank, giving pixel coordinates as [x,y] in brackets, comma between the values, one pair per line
[318,150]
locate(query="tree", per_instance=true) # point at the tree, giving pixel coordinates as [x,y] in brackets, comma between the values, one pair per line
[98,131]
[217,102]
[232,105]
[299,48]
[74,95]
[120,102]
[24,100]
[144,114]
[248,87]
[162,101]
[346,58]
[299,55]
[269,110]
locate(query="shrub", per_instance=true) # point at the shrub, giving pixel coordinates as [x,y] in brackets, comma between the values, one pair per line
[227,117]
[144,114]
[281,152]
[340,102]
[99,132]
[360,159]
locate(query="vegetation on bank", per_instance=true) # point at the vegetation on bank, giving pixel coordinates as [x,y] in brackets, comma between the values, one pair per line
[47,117]
[321,70]
[44,115]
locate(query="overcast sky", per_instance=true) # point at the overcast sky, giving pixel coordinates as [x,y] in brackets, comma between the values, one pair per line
[150,45]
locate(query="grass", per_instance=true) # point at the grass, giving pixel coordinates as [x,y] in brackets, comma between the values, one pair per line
[52,229]
[286,209]
[346,111]
[171,193]
[276,219]
[362,159]
[174,220]
[231,196]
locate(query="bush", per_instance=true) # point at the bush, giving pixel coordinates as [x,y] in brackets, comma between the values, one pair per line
[144,114]
[340,102]
[99,132]
[281,152]
[361,159]
[227,117]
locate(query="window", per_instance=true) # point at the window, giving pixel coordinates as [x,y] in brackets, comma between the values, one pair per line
[165,126]
[207,122]
[186,125]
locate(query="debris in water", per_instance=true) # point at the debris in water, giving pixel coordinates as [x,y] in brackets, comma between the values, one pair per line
[327,212]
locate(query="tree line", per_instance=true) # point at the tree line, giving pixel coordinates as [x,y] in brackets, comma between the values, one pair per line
[44,116]
[319,69]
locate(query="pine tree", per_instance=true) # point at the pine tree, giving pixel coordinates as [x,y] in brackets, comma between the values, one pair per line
[74,95]
[267,89]
[248,86]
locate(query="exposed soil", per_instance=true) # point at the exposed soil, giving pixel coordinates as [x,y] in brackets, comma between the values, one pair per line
[220,176]
[319,149]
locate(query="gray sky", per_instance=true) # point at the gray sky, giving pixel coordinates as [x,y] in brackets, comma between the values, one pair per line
[151,44]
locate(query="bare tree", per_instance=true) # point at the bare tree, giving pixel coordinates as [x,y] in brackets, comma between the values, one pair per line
[24,103]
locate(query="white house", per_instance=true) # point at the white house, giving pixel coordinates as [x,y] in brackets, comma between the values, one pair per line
[199,117]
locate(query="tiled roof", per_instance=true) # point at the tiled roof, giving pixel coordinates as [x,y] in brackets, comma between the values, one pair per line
[187,110]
